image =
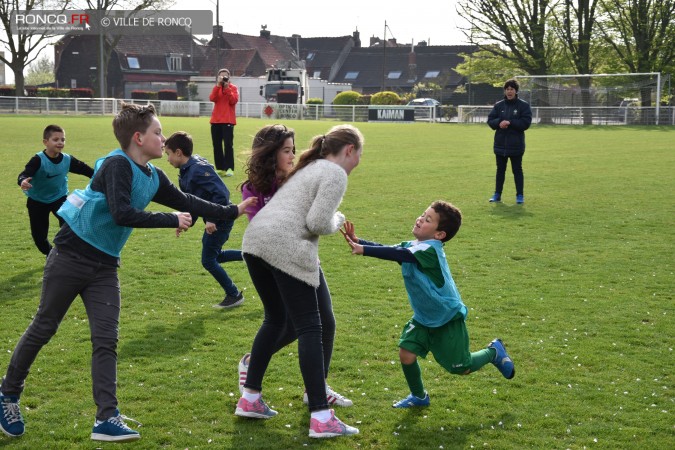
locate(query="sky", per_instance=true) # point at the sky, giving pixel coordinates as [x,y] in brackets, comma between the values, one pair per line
[436,21]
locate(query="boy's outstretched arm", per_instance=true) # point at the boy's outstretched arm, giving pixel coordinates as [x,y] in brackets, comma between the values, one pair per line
[347,231]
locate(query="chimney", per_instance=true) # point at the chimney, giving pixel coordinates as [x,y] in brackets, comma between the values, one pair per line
[374,41]
[217,32]
[264,32]
[357,38]
[412,65]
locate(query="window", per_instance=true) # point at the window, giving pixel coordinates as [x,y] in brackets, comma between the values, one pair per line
[133,62]
[394,75]
[310,56]
[175,62]
[432,74]
[317,74]
[351,75]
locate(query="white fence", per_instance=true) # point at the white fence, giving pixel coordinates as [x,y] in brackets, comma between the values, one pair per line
[465,114]
[109,106]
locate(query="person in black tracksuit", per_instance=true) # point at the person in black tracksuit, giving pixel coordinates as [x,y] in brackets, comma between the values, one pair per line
[510,118]
[44,180]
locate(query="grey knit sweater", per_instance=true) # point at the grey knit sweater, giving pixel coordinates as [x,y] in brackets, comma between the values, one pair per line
[285,233]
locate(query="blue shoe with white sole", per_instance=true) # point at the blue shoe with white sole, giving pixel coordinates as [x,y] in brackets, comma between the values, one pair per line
[412,402]
[502,359]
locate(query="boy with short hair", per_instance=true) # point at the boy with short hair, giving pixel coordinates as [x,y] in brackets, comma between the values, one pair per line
[44,180]
[438,318]
[197,177]
[85,258]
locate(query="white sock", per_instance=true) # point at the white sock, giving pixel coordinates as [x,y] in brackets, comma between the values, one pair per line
[322,416]
[251,396]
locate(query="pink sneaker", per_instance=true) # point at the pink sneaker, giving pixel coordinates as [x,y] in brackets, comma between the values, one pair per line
[334,427]
[257,409]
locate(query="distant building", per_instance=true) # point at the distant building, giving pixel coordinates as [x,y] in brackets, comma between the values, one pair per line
[171,61]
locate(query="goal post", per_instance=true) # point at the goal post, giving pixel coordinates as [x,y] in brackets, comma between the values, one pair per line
[596,97]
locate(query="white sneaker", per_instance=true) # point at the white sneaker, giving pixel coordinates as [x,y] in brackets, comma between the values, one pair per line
[243,371]
[332,397]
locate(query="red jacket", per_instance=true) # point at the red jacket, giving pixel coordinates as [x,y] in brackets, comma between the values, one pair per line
[224,100]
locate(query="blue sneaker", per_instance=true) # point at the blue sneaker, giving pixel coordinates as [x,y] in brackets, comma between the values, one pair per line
[115,430]
[520,199]
[11,421]
[502,359]
[495,198]
[411,401]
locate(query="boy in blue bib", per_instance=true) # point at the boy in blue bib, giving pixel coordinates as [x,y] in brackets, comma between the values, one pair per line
[44,180]
[438,318]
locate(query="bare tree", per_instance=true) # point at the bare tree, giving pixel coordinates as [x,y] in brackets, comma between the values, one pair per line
[23,47]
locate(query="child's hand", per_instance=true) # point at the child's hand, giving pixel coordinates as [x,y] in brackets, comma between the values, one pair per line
[184,220]
[210,228]
[357,249]
[349,231]
[25,184]
[245,204]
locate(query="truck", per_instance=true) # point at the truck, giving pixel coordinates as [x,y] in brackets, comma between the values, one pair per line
[288,86]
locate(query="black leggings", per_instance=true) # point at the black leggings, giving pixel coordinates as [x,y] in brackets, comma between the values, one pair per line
[287,299]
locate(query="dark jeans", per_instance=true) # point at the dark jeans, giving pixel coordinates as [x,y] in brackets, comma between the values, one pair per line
[286,298]
[516,168]
[66,276]
[38,214]
[213,255]
[223,133]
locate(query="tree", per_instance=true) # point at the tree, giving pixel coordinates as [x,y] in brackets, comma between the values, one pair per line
[514,30]
[574,27]
[41,71]
[106,46]
[642,34]
[485,67]
[23,47]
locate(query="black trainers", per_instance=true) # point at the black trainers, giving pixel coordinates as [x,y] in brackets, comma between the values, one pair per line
[230,301]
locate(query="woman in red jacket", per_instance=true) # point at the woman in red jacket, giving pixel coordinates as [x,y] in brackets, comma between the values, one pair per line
[223,119]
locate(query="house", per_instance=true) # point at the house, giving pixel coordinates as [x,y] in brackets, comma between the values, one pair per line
[323,56]
[149,63]
[272,50]
[399,69]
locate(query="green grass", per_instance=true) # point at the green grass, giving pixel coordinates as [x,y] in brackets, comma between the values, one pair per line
[578,282]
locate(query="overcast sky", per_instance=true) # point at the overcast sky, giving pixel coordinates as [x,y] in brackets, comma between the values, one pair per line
[434,21]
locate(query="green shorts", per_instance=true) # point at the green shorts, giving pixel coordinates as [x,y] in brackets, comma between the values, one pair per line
[448,343]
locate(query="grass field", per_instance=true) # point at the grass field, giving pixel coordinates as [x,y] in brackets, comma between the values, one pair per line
[578,282]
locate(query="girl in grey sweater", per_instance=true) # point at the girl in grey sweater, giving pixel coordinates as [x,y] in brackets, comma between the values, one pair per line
[281,251]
